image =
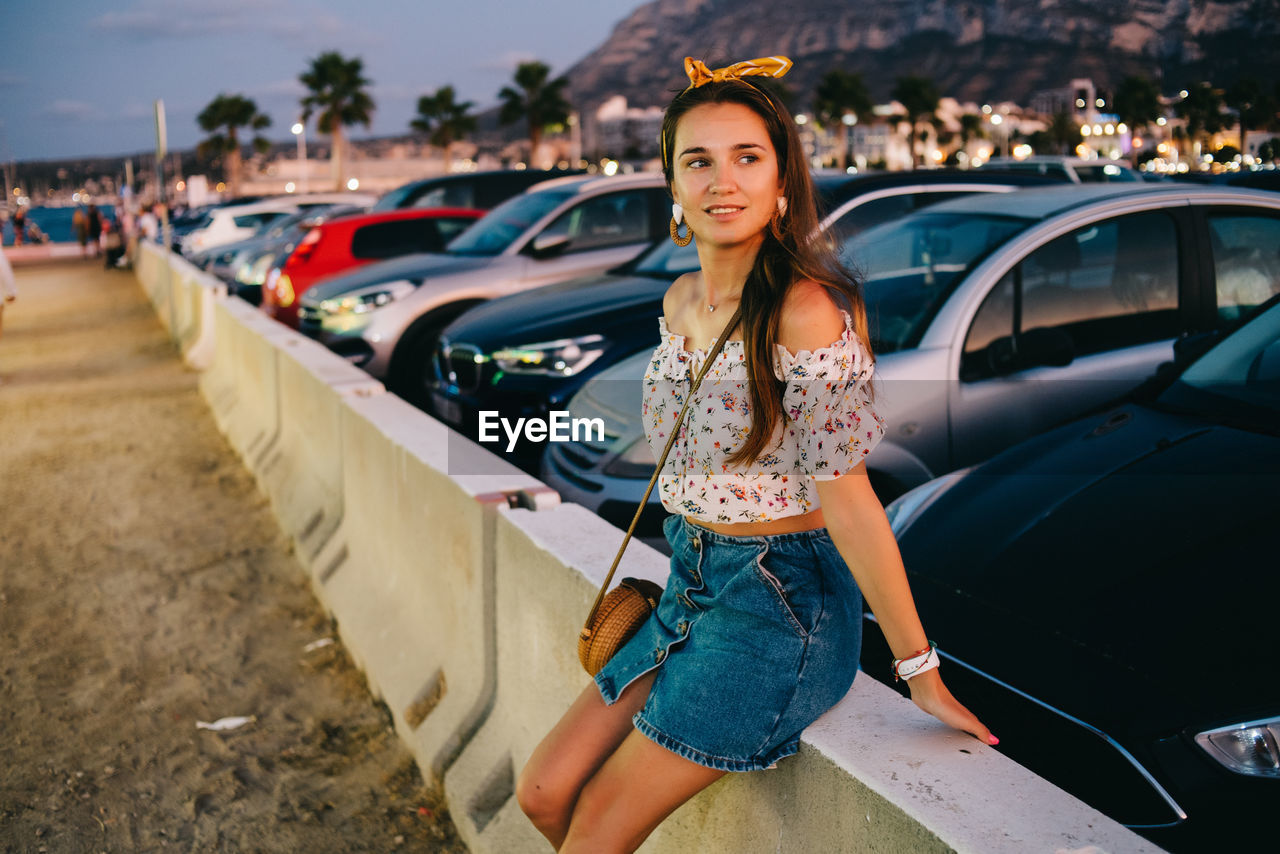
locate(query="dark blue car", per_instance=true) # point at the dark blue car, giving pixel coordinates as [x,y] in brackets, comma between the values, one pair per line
[1105,598]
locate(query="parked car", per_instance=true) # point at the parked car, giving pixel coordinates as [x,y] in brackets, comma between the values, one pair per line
[476,190]
[232,222]
[1074,169]
[994,318]
[1102,598]
[355,241]
[222,261]
[250,266]
[526,354]
[387,317]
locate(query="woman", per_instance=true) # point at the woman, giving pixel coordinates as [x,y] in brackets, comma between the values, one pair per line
[777,534]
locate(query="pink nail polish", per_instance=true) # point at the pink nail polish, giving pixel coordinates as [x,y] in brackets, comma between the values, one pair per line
[994,741]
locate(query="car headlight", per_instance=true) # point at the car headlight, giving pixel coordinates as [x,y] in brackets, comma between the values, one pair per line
[255,273]
[1251,748]
[906,508]
[368,299]
[636,462]
[563,358]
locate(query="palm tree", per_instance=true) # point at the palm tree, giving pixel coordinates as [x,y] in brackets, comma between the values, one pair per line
[970,128]
[919,97]
[443,119]
[1137,103]
[1202,108]
[1255,107]
[840,94]
[538,100]
[1063,132]
[223,118]
[338,94]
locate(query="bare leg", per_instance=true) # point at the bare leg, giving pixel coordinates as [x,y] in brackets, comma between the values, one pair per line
[636,788]
[572,752]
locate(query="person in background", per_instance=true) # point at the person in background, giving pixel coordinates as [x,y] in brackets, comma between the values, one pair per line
[95,230]
[20,226]
[8,288]
[149,223]
[80,225]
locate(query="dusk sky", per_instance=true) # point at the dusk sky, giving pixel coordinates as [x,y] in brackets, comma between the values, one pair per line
[78,77]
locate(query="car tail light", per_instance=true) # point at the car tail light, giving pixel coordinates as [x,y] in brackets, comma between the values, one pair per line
[305,248]
[284,291]
[1251,748]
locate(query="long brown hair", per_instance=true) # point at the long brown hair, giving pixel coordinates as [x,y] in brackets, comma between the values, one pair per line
[792,250]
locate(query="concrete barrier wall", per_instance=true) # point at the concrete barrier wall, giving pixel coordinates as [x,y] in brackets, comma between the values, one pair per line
[459,583]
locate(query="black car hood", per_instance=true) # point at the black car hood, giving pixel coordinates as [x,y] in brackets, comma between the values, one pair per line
[563,310]
[1105,538]
[418,266]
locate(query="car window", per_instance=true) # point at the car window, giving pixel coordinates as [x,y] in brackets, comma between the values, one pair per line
[456,194]
[1107,285]
[667,260]
[1104,173]
[861,217]
[1246,262]
[391,239]
[910,266]
[504,224]
[256,220]
[604,221]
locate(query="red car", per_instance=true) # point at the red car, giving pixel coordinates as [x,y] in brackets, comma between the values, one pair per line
[354,241]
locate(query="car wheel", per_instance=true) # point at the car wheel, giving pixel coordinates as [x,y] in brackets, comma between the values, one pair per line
[410,373]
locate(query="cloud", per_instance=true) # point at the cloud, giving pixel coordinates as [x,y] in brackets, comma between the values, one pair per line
[9,78]
[68,109]
[506,62]
[163,20]
[289,87]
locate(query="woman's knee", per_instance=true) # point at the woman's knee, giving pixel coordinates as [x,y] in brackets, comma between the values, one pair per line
[542,797]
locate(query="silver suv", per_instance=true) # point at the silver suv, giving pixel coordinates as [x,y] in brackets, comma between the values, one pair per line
[386,317]
[994,317]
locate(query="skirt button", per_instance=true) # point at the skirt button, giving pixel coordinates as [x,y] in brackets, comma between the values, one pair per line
[659,654]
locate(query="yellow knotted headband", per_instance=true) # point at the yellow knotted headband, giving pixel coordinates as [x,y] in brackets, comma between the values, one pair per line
[700,75]
[766,66]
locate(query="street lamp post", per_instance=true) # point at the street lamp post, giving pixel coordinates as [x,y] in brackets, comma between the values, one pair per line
[300,131]
[848,120]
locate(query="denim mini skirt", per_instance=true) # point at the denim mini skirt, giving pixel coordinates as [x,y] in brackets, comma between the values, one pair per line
[753,639]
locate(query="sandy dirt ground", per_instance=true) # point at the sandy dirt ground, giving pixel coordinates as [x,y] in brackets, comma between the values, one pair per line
[144,587]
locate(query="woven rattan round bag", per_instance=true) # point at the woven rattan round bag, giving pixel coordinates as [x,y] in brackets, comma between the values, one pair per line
[620,615]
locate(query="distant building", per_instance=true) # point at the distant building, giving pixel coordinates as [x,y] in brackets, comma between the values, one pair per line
[627,132]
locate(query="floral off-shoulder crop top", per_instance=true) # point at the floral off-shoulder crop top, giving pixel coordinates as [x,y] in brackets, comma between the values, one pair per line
[829,427]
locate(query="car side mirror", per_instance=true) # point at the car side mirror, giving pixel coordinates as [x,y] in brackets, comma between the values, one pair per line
[548,245]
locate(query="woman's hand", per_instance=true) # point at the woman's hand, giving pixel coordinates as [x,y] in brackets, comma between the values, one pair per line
[928,692]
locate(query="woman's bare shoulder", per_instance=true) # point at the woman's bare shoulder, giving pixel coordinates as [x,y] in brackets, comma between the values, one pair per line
[678,297]
[810,318]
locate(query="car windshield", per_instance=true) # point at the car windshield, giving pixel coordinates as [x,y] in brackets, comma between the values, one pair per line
[910,266]
[498,229]
[392,200]
[278,227]
[1238,380]
[667,261]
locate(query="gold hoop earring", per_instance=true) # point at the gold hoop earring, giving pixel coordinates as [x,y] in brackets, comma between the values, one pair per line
[675,234]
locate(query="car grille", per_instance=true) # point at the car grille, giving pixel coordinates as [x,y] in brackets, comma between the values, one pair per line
[461,365]
[572,460]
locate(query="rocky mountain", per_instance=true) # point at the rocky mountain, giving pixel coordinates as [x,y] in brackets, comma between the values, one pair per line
[980,50]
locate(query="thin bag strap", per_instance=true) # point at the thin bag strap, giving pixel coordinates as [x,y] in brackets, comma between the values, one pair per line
[671,440]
